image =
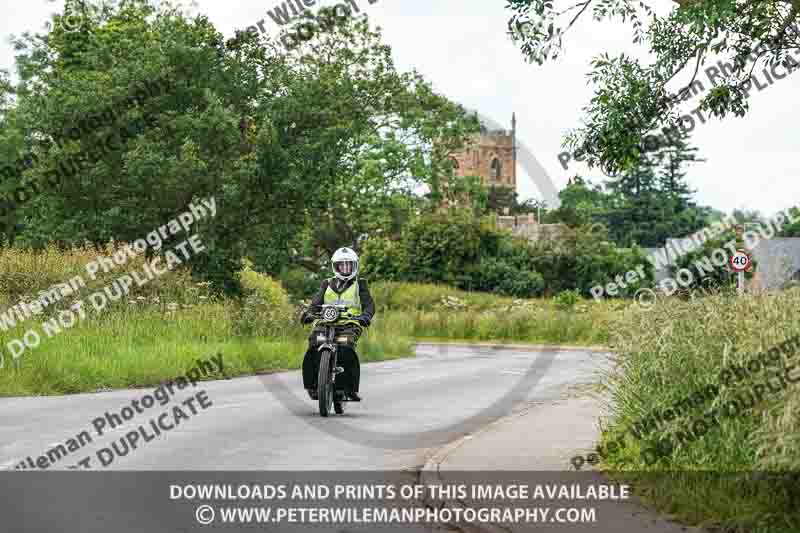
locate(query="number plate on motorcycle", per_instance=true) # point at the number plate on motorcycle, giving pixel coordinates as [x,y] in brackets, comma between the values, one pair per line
[330,314]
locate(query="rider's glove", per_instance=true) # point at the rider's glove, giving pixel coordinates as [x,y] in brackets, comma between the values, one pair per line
[308,315]
[363,321]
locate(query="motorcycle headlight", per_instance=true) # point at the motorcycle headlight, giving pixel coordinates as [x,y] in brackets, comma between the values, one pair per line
[320,338]
[343,339]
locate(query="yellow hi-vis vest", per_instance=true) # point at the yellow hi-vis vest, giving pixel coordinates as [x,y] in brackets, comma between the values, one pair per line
[350,297]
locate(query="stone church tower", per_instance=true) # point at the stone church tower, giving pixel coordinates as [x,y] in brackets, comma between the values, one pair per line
[492,155]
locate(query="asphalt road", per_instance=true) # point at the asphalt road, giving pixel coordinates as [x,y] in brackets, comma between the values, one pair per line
[443,411]
[411,407]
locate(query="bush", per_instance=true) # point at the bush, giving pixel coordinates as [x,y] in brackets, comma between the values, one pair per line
[456,248]
[383,258]
[257,284]
[441,246]
[522,284]
[264,307]
[566,300]
[497,275]
[301,284]
[580,259]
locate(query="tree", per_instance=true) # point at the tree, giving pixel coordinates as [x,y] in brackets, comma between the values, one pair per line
[382,134]
[793,228]
[505,200]
[632,97]
[671,159]
[501,199]
[464,191]
[747,216]
[456,247]
[582,203]
[330,132]
[581,258]
[652,202]
[113,160]
[644,206]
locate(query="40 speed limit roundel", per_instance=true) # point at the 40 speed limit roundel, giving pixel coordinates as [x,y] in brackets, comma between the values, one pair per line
[740,261]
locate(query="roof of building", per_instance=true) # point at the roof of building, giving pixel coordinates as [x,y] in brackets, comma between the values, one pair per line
[778,261]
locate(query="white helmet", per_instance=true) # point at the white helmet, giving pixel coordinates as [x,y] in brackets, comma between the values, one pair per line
[345,264]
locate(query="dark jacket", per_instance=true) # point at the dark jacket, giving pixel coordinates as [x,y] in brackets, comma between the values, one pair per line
[367,303]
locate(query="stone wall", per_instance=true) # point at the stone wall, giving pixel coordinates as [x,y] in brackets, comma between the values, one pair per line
[526,226]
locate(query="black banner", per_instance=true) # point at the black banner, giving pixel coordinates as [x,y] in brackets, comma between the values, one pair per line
[154,502]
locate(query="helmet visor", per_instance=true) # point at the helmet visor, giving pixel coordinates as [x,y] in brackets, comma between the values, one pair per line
[345,268]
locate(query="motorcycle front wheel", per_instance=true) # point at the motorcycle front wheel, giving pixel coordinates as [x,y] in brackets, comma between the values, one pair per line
[325,383]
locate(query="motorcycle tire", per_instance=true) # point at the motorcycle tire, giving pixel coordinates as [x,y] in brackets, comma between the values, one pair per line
[324,384]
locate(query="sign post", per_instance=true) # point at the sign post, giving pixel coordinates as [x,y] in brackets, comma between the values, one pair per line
[740,261]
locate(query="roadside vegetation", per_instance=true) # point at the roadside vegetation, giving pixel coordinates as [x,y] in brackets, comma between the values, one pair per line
[633,128]
[678,348]
[424,311]
[158,330]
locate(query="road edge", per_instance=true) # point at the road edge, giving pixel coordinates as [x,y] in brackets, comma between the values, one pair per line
[521,346]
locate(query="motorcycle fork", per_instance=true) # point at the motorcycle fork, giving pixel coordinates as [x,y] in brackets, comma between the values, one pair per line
[334,349]
[334,357]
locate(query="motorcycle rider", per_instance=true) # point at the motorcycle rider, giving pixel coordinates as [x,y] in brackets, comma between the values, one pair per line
[345,288]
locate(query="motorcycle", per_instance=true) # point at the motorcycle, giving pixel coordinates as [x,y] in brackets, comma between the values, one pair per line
[330,323]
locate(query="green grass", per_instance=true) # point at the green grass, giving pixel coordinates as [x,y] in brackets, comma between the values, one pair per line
[390,296]
[142,345]
[133,348]
[162,328]
[679,347]
[146,346]
[525,326]
[145,339]
[438,312]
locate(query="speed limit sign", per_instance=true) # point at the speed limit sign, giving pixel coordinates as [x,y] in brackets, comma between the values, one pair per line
[740,261]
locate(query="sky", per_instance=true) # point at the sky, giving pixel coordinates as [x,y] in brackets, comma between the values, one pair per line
[462,48]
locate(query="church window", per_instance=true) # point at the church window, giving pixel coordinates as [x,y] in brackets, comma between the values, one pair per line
[495,169]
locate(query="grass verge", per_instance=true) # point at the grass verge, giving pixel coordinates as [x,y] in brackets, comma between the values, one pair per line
[143,347]
[729,458]
[150,337]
